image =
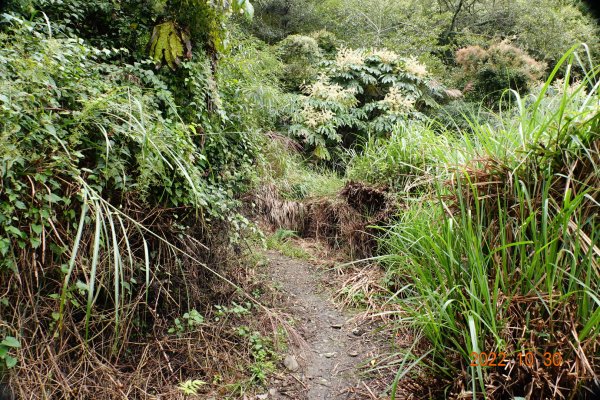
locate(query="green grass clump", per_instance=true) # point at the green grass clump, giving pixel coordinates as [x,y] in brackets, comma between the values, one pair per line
[280,241]
[293,177]
[503,254]
[303,183]
[403,160]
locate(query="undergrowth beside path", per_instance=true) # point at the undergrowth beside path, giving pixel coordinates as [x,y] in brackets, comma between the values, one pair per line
[489,245]
[447,186]
[497,264]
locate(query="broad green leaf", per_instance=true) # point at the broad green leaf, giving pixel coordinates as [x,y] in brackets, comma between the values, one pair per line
[10,361]
[169,44]
[52,198]
[4,246]
[11,341]
[35,242]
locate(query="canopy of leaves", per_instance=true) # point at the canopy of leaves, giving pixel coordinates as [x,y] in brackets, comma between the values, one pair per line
[544,28]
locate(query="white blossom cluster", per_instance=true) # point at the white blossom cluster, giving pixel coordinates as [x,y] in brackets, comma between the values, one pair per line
[387,56]
[314,117]
[324,90]
[398,102]
[348,57]
[413,66]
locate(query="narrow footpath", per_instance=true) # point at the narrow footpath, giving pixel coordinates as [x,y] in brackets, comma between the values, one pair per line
[328,367]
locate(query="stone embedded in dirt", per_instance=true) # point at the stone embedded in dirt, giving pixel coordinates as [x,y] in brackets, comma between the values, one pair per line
[324,382]
[329,355]
[357,332]
[353,353]
[337,326]
[290,363]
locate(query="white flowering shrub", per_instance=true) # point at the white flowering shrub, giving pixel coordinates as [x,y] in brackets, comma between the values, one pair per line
[324,109]
[361,93]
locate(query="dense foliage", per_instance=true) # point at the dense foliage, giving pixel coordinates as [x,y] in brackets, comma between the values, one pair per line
[120,181]
[489,72]
[301,55]
[497,251]
[132,133]
[544,28]
[361,93]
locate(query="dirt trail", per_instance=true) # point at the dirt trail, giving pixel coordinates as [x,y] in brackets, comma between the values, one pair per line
[336,347]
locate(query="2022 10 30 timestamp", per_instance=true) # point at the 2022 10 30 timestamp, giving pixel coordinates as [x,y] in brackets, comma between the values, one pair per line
[524,359]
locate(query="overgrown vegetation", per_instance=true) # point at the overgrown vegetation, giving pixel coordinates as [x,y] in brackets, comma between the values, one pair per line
[501,257]
[119,186]
[500,67]
[455,142]
[360,93]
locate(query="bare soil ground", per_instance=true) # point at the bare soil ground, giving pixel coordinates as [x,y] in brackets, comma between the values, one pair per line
[336,347]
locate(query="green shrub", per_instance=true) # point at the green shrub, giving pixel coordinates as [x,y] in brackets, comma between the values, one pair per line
[361,93]
[76,115]
[327,41]
[301,55]
[488,73]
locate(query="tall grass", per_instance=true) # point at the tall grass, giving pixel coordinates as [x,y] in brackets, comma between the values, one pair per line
[503,255]
[284,166]
[405,160]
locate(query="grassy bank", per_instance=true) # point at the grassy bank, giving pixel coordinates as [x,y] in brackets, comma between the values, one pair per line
[498,257]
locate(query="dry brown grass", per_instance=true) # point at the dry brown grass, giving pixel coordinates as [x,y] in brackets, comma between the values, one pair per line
[141,360]
[346,221]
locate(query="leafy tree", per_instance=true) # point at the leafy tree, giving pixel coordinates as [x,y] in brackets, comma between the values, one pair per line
[362,92]
[544,28]
[406,26]
[549,28]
